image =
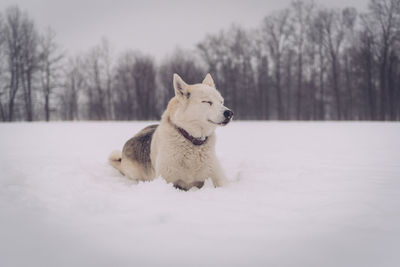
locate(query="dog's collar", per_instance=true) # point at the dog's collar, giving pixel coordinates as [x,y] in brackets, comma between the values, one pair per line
[195,141]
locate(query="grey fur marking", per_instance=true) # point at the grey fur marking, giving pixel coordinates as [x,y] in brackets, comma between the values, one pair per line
[138,147]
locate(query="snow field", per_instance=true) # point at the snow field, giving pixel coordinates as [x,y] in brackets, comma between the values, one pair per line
[300,194]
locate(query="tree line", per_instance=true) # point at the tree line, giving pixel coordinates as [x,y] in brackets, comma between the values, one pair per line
[305,62]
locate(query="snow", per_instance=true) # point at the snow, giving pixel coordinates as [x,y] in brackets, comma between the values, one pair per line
[300,194]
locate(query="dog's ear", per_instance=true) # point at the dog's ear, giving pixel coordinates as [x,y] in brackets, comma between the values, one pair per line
[180,87]
[208,80]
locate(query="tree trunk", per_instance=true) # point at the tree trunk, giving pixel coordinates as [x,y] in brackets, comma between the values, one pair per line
[47,106]
[335,77]
[349,105]
[382,82]
[13,91]
[371,101]
[278,88]
[2,113]
[299,86]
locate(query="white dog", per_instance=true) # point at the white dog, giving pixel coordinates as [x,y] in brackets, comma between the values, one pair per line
[182,148]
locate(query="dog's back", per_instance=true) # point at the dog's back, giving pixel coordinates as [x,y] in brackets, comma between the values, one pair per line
[135,159]
[138,147]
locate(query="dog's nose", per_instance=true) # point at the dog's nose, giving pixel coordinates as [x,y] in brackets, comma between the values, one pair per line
[228,114]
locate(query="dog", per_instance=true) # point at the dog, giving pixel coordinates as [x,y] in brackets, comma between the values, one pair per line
[181,149]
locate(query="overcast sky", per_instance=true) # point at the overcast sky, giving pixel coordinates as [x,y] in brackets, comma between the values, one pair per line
[154,27]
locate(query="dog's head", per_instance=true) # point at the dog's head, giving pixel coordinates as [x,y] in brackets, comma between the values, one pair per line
[199,106]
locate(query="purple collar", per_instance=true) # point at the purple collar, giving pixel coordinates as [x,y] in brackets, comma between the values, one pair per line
[195,141]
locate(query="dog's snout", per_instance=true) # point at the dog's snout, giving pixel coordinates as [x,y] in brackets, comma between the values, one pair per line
[228,114]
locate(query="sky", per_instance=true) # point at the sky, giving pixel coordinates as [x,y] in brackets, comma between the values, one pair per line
[153,27]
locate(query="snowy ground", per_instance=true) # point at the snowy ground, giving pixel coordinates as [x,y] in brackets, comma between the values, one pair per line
[301,194]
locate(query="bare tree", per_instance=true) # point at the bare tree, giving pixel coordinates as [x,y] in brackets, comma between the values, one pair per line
[28,63]
[335,24]
[99,81]
[367,63]
[135,87]
[316,36]
[50,57]
[263,86]
[334,35]
[3,115]
[383,23]
[13,38]
[277,29]
[73,85]
[348,20]
[123,87]
[144,78]
[301,16]
[262,77]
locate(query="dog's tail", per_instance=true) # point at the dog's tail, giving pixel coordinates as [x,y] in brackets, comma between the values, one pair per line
[115,159]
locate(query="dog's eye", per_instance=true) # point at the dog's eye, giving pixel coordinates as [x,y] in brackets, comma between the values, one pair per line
[208,102]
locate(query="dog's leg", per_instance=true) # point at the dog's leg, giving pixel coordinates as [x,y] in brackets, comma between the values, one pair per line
[132,170]
[180,185]
[218,177]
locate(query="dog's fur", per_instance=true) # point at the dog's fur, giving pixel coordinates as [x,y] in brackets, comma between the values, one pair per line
[182,148]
